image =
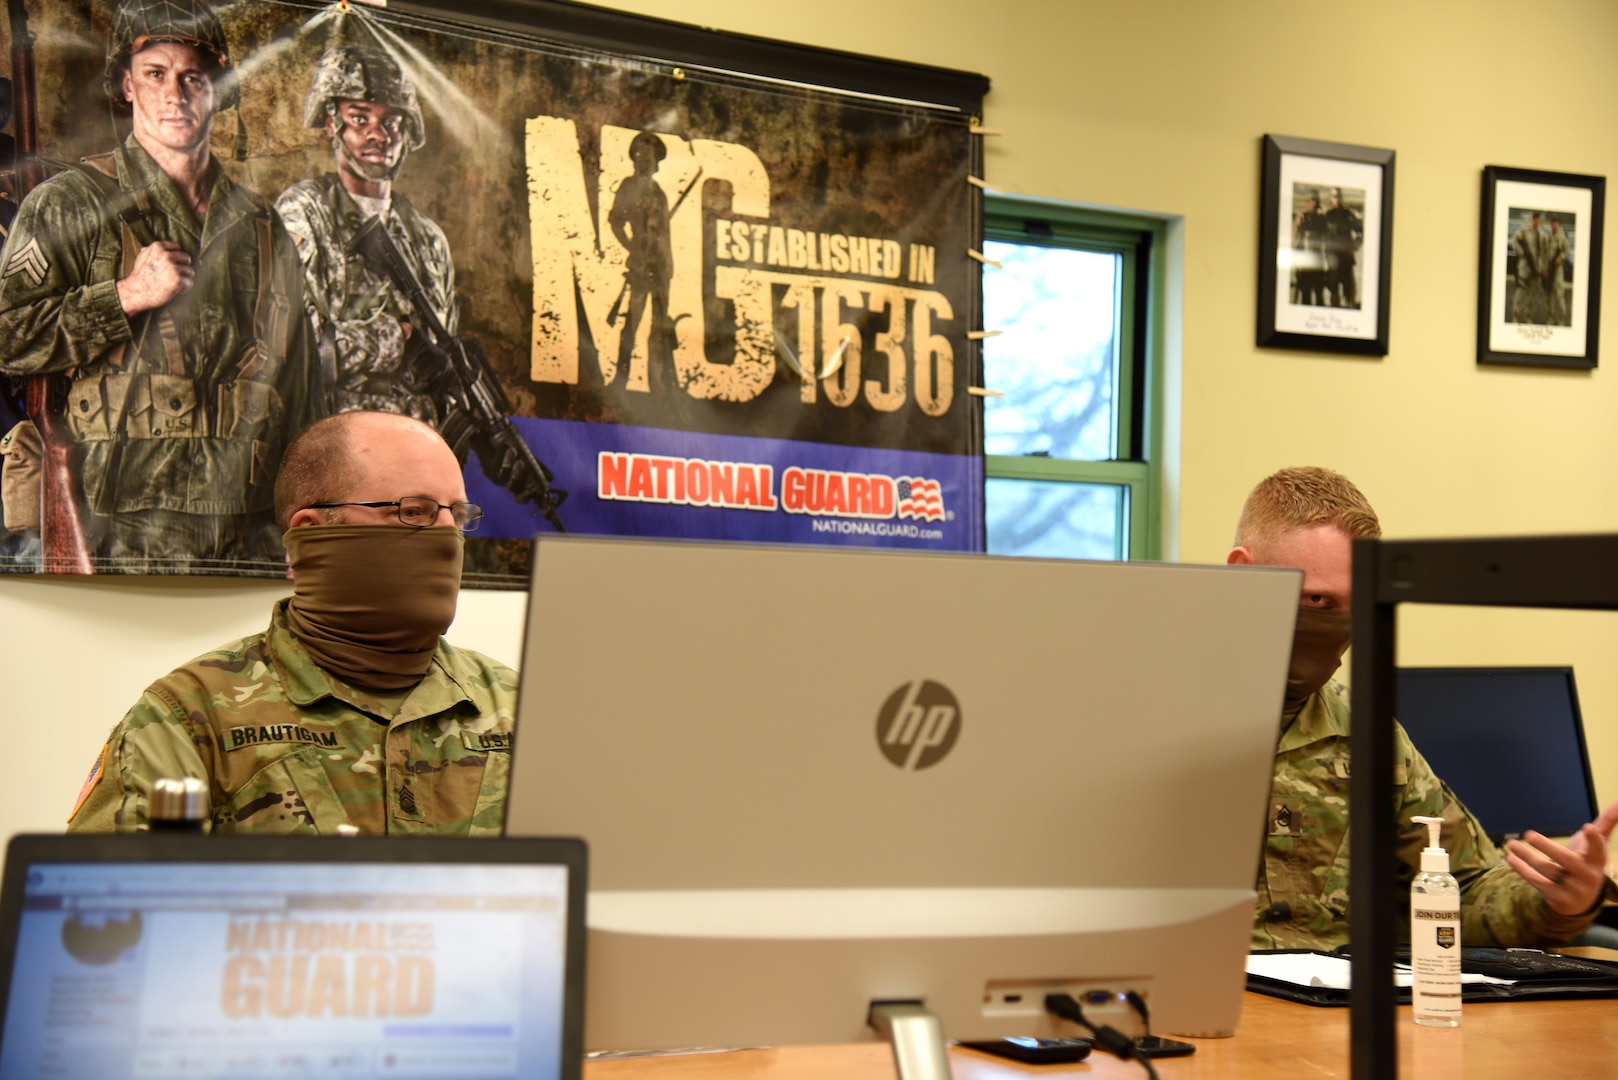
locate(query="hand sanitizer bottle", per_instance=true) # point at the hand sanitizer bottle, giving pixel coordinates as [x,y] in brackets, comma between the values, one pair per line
[1435,936]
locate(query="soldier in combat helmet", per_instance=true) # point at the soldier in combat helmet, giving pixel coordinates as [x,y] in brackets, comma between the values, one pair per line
[172,299]
[376,358]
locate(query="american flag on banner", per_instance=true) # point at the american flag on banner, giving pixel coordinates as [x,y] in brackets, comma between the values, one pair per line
[919,498]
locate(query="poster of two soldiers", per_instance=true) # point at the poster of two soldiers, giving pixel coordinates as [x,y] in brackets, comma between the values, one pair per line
[225,250]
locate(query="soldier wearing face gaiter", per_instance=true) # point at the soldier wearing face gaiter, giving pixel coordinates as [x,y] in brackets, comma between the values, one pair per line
[1308,519]
[351,709]
[371,601]
[1318,644]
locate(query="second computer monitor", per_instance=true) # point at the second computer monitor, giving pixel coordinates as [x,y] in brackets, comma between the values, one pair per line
[1508,740]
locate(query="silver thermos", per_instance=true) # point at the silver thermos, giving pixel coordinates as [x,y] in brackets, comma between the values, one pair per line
[179,805]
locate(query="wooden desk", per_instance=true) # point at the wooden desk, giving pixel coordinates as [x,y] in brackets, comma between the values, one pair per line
[1276,1039]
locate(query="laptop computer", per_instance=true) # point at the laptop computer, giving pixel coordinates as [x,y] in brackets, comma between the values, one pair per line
[812,778]
[176,956]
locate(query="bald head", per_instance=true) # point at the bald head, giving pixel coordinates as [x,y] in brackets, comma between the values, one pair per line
[363,457]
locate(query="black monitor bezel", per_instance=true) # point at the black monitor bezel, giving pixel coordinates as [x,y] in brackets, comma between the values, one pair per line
[1578,573]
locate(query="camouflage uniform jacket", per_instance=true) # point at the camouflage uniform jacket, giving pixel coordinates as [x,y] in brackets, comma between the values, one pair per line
[1303,882]
[286,747]
[203,394]
[1530,246]
[1555,247]
[357,313]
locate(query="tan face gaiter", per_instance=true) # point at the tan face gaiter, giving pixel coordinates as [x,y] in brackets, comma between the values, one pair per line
[371,601]
[1318,645]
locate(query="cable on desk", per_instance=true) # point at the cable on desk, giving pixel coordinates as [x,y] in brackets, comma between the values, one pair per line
[1109,1038]
[1138,1003]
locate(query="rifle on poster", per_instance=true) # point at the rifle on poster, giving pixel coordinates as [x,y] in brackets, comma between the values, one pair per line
[623,293]
[62,533]
[481,419]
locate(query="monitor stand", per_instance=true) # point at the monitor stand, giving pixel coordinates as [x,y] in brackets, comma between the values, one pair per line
[917,1037]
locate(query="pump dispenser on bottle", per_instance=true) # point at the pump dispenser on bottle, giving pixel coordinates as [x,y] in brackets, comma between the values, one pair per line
[1435,936]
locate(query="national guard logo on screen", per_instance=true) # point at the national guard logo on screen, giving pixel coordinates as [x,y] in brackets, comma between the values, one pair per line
[1446,937]
[918,724]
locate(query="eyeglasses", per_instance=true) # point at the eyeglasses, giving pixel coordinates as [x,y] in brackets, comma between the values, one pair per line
[418,511]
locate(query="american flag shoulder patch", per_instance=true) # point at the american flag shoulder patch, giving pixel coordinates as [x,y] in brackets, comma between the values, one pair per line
[90,781]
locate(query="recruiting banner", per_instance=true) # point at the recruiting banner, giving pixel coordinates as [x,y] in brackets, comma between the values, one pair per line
[636,297]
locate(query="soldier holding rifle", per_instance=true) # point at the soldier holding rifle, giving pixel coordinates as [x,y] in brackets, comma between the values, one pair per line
[640,220]
[362,100]
[380,281]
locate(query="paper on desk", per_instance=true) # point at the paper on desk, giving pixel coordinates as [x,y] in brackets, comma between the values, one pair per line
[1331,972]
[1306,969]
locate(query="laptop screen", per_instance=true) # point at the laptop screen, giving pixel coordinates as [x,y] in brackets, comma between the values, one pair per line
[264,967]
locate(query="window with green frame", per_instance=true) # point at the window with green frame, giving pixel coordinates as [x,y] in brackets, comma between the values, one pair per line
[1071,448]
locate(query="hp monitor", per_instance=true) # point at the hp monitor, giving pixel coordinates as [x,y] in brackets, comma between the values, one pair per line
[812,779]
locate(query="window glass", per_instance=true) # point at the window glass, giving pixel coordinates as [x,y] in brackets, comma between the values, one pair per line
[1072,426]
[1056,520]
[1057,363]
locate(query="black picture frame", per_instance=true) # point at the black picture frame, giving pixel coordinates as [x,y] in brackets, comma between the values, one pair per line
[1323,285]
[1553,321]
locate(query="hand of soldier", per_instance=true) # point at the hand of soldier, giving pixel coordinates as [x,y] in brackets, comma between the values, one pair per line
[500,465]
[162,271]
[427,367]
[1571,878]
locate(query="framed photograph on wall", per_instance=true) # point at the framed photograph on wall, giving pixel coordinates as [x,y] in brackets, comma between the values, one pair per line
[1325,246]
[1539,268]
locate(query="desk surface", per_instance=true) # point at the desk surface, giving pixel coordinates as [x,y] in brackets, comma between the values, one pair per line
[1276,1039]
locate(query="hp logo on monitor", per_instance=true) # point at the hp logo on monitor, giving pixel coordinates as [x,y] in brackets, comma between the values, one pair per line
[918,724]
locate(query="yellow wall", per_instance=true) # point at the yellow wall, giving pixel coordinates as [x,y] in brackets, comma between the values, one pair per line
[1155,105]
[1160,106]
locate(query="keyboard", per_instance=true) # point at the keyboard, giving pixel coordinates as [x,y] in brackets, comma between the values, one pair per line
[1523,964]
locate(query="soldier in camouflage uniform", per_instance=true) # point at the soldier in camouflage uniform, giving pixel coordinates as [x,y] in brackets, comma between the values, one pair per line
[1539,893]
[1345,232]
[1557,253]
[1529,296]
[369,111]
[173,299]
[351,709]
[1309,253]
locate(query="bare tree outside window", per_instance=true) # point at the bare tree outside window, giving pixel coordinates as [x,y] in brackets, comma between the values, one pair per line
[1057,365]
[1054,520]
